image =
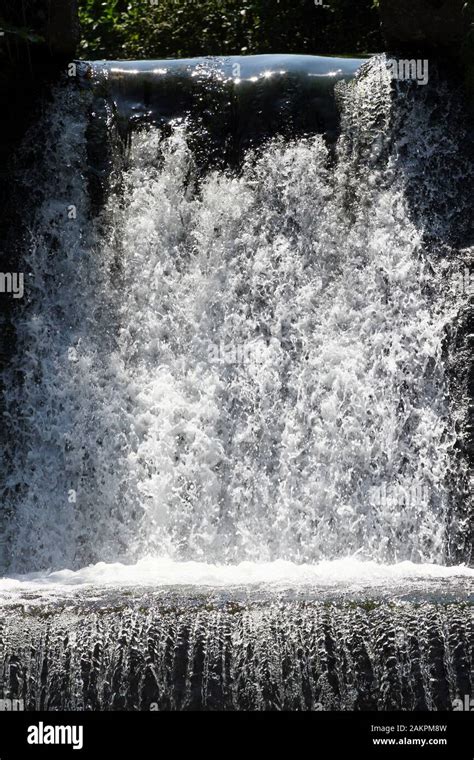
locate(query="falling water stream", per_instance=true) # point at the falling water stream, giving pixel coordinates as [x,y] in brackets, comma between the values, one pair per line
[235,368]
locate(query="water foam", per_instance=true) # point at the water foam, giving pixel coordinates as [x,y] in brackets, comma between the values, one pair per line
[156,573]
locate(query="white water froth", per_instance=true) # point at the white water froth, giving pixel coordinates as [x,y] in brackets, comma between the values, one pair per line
[276,456]
[280,574]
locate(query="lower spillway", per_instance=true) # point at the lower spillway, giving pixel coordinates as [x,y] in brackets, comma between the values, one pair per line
[132,651]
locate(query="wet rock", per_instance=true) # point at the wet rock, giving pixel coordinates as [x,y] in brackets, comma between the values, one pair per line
[428,25]
[48,28]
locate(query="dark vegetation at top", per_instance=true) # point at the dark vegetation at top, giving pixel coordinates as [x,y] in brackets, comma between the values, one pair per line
[184,28]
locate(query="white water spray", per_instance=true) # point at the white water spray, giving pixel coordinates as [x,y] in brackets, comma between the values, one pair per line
[133,438]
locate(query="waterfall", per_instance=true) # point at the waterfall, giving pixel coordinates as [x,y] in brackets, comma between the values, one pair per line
[240,364]
[232,366]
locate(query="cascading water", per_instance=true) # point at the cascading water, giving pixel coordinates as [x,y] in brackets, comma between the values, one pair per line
[240,371]
[296,656]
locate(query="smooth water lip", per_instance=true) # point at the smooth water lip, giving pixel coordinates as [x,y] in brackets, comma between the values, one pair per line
[154,572]
[249,65]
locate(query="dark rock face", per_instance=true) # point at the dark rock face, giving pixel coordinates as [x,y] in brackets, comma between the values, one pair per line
[61,27]
[430,25]
[54,21]
[41,38]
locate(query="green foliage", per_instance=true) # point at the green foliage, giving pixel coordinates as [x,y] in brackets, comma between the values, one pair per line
[184,28]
